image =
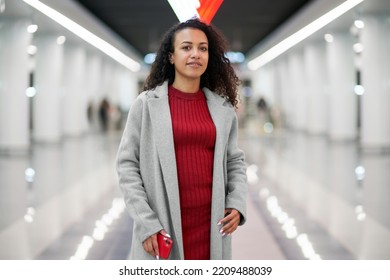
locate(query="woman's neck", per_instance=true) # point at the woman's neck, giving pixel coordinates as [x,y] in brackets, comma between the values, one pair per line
[187,86]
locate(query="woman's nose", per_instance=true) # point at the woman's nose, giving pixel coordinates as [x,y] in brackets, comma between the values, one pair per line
[195,53]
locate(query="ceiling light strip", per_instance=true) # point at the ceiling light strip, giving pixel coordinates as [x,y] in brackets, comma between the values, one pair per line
[302,34]
[86,35]
[185,10]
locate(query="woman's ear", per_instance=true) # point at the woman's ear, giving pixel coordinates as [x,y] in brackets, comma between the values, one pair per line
[170,58]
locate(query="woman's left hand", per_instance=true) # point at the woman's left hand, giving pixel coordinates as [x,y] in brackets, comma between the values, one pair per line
[230,222]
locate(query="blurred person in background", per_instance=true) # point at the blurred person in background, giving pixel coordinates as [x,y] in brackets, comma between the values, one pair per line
[263,111]
[104,114]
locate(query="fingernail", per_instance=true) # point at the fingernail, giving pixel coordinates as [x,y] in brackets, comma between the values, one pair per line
[223,234]
[157,257]
[221,231]
[219,223]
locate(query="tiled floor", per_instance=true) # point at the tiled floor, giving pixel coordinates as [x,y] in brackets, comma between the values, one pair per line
[308,198]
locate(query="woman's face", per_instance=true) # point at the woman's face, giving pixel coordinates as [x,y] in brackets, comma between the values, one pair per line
[190,55]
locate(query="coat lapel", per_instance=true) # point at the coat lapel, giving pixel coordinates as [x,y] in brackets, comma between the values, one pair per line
[220,115]
[163,136]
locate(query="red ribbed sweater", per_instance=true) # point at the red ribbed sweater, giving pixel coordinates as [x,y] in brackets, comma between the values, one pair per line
[194,137]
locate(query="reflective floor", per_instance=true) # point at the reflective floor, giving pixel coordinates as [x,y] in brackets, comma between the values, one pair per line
[45,192]
[309,198]
[332,198]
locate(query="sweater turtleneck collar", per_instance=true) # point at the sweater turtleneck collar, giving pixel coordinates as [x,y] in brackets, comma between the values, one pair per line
[185,95]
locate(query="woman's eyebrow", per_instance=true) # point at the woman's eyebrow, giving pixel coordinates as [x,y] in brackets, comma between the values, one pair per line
[189,42]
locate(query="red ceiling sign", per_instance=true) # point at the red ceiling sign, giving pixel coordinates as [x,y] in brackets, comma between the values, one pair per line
[208,9]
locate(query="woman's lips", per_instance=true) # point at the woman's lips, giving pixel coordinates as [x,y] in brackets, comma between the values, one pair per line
[194,64]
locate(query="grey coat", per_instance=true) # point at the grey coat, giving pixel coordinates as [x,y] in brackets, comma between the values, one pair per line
[146,167]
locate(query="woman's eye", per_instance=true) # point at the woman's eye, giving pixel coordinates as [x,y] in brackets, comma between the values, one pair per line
[204,49]
[187,48]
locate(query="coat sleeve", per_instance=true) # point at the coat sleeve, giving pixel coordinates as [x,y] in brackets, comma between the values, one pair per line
[146,222]
[236,173]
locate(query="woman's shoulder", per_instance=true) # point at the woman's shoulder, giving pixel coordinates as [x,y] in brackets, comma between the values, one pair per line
[142,96]
[145,95]
[217,99]
[156,92]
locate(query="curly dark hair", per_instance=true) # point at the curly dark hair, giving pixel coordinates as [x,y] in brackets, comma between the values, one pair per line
[219,75]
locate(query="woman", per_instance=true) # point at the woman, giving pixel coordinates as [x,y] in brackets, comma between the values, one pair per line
[179,166]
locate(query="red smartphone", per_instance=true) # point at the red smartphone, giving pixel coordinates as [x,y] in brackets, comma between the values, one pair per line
[164,245]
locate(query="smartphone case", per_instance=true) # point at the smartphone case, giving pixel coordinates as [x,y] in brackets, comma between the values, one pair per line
[164,245]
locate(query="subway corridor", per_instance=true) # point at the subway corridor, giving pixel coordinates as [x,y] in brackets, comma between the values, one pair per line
[309,198]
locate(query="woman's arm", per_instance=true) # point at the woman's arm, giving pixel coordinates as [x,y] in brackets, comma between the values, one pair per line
[145,219]
[236,177]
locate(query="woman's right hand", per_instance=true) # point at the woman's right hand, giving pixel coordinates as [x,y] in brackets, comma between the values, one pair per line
[151,246]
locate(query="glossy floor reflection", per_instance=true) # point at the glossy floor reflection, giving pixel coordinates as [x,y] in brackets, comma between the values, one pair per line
[46,191]
[330,198]
[309,198]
